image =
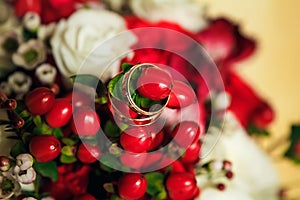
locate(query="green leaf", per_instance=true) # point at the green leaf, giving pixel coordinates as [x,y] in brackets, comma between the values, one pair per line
[27,34]
[17,149]
[68,141]
[91,81]
[109,187]
[57,132]
[67,150]
[111,129]
[115,197]
[115,86]
[42,130]
[253,130]
[67,159]
[294,139]
[155,186]
[37,120]
[126,67]
[47,169]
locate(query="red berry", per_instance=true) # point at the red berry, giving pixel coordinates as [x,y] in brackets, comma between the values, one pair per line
[221,187]
[23,6]
[80,98]
[186,133]
[174,167]
[192,153]
[181,186]
[18,123]
[182,95]
[60,114]
[123,108]
[157,139]
[40,101]
[10,104]
[227,165]
[133,160]
[229,174]
[132,186]
[44,148]
[151,159]
[85,122]
[4,163]
[88,154]
[154,83]
[135,139]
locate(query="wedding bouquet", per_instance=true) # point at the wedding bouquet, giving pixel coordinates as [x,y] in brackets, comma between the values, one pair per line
[128,100]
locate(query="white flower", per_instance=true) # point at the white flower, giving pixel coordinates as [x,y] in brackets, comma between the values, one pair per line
[89,41]
[46,73]
[47,198]
[45,32]
[254,172]
[8,20]
[25,176]
[24,161]
[29,198]
[186,13]
[8,43]
[19,82]
[31,21]
[23,170]
[116,5]
[30,54]
[221,101]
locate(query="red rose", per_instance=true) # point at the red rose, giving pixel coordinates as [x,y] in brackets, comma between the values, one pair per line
[248,107]
[224,42]
[49,10]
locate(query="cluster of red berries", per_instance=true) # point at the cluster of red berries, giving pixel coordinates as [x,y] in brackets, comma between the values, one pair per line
[81,120]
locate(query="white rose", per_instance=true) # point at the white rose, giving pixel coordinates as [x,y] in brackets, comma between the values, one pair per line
[90,42]
[254,172]
[187,13]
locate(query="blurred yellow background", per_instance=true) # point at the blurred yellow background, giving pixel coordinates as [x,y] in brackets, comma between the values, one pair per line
[274,71]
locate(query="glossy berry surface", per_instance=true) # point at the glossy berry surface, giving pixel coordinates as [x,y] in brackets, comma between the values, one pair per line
[157,140]
[154,83]
[44,148]
[186,133]
[181,186]
[80,98]
[182,95]
[192,153]
[60,114]
[136,139]
[85,122]
[132,186]
[87,153]
[40,101]
[133,160]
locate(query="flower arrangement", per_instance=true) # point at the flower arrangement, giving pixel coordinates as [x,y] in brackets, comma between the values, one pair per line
[128,100]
